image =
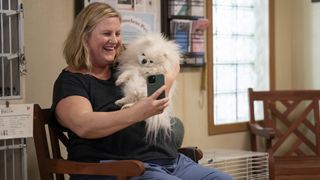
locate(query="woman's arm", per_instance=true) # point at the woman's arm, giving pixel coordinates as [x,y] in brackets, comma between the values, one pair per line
[75,113]
[171,76]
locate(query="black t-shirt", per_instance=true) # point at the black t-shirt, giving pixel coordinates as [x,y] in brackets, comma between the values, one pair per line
[128,143]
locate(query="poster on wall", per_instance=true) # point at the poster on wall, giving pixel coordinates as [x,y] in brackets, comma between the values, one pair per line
[16,121]
[135,24]
[138,16]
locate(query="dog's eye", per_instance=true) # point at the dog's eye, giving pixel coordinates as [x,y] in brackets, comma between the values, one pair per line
[143,54]
[151,61]
[144,61]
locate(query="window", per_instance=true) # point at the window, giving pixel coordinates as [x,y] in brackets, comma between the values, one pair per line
[12,62]
[239,56]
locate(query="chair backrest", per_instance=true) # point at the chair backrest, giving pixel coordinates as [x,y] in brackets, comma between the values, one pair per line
[294,115]
[46,143]
[291,121]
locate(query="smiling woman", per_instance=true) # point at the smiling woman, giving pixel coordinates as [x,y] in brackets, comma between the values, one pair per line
[94,122]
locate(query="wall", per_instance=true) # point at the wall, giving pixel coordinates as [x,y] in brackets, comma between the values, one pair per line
[305,44]
[283,43]
[297,36]
[46,24]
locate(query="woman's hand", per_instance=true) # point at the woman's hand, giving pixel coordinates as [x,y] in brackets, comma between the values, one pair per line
[150,106]
[171,76]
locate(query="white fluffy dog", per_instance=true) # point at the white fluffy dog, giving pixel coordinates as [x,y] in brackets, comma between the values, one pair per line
[147,55]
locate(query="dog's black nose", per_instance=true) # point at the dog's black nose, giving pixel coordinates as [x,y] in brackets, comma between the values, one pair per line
[144,61]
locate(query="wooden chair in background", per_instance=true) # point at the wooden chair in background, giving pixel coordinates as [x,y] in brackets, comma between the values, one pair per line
[290,128]
[52,164]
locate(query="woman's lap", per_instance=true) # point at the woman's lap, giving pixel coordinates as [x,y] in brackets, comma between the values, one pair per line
[183,169]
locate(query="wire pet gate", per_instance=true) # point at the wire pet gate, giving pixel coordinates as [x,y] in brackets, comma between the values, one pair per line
[13,154]
[13,159]
[12,61]
[242,165]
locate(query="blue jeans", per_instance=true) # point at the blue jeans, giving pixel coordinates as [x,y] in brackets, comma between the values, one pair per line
[182,168]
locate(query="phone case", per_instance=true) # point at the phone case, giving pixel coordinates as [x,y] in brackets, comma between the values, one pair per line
[154,82]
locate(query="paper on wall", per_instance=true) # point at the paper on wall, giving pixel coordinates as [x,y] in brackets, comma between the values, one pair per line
[16,121]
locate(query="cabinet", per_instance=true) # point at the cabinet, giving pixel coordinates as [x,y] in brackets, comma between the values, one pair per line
[183,21]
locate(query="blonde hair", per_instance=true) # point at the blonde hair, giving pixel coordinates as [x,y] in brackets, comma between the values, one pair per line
[75,49]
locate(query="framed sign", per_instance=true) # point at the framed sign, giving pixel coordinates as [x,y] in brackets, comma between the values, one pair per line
[138,16]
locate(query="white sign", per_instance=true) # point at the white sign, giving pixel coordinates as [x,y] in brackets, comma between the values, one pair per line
[16,121]
[136,24]
[138,16]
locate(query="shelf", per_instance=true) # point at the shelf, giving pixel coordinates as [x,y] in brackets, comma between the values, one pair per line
[181,21]
[192,65]
[186,17]
[192,59]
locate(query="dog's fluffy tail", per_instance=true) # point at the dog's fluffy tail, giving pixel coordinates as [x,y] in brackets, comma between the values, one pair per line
[159,125]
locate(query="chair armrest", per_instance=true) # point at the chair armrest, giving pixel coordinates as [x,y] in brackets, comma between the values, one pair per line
[192,152]
[120,168]
[258,130]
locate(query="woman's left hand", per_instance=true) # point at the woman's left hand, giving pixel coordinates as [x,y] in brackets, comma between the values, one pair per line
[171,76]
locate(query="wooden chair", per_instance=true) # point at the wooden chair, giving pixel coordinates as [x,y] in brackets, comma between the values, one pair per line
[289,131]
[51,163]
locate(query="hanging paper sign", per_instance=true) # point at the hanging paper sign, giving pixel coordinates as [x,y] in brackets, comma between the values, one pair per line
[16,121]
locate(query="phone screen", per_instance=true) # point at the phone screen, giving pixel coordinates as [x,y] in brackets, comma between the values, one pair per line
[154,82]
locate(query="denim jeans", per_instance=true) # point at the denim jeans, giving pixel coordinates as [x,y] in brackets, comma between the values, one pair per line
[182,168]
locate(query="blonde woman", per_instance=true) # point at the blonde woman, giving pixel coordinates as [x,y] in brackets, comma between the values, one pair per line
[84,105]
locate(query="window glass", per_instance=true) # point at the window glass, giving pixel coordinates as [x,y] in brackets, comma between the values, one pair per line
[240,57]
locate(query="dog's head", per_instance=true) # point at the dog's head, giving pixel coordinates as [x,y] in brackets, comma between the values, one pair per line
[151,54]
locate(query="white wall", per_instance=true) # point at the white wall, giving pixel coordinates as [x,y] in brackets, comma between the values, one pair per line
[283,44]
[305,44]
[46,24]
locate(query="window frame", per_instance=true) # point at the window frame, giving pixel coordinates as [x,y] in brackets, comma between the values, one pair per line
[243,126]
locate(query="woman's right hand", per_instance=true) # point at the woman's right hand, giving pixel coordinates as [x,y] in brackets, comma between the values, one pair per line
[150,106]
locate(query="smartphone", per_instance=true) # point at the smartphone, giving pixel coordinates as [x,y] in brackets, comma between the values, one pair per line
[154,82]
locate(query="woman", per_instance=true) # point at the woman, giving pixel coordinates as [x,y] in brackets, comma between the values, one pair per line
[83,104]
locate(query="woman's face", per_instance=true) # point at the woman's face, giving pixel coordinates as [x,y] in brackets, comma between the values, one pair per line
[104,41]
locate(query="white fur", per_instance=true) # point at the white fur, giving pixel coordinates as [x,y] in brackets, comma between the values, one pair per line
[147,55]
